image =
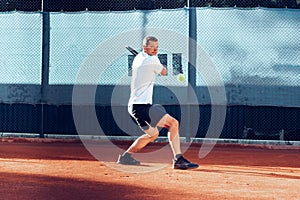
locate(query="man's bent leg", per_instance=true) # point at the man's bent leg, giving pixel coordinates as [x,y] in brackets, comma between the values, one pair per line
[126,158]
[143,140]
[179,161]
[173,125]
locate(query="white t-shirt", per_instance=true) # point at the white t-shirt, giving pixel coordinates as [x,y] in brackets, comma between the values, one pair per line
[144,70]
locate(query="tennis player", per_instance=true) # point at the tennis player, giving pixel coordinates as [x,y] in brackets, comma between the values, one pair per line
[145,67]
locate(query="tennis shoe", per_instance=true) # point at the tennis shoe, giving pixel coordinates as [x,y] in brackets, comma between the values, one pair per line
[127,159]
[182,163]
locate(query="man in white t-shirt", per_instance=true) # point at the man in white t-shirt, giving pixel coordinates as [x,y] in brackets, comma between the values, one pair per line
[145,67]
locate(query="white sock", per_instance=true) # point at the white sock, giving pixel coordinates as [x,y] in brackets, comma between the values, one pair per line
[175,144]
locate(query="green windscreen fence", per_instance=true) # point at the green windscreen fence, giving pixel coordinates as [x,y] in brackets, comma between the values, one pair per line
[252,49]
[20,47]
[254,54]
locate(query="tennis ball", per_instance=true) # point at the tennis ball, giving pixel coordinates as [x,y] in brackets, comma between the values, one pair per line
[180,77]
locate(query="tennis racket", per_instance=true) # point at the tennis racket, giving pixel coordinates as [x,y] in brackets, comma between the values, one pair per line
[131,50]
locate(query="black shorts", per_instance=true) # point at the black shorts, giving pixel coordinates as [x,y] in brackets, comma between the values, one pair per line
[145,114]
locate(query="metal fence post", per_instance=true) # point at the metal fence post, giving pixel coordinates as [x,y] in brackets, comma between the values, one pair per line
[192,58]
[45,64]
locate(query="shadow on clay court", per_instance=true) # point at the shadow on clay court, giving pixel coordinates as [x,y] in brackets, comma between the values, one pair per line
[31,186]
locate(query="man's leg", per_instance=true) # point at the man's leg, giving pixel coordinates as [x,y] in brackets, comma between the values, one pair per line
[172,124]
[173,135]
[126,158]
[150,135]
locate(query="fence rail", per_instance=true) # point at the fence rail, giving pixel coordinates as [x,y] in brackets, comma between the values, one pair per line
[119,5]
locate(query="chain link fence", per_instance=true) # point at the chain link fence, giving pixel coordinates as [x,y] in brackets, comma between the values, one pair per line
[121,5]
[257,61]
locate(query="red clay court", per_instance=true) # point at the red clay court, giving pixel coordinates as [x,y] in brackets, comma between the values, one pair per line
[55,169]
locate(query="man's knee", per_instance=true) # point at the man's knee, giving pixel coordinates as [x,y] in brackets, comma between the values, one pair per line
[152,132]
[153,137]
[175,122]
[172,122]
[168,121]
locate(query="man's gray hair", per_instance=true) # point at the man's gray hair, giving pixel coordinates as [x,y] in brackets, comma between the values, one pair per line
[149,38]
